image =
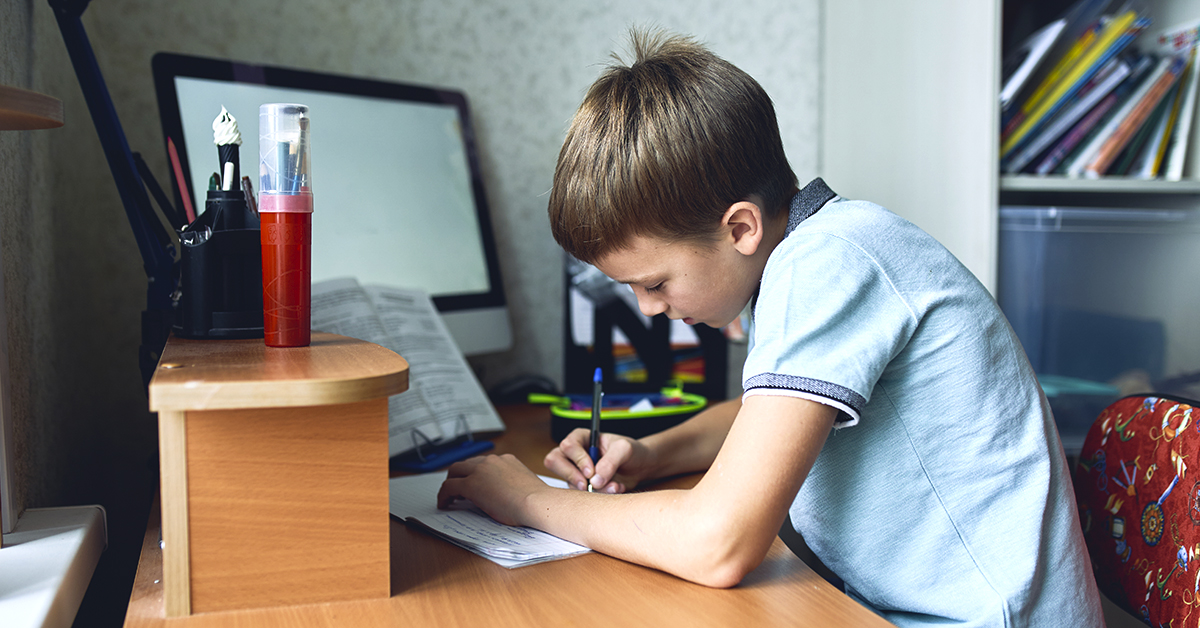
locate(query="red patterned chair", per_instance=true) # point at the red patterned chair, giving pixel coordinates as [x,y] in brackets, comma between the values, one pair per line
[1138,487]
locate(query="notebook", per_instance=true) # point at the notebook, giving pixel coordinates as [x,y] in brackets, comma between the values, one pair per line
[414,499]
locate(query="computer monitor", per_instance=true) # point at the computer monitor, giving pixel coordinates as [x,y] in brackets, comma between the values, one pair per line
[398,193]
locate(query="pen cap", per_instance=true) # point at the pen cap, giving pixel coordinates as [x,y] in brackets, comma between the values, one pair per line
[285,163]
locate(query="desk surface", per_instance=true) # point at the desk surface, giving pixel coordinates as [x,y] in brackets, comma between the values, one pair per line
[437,584]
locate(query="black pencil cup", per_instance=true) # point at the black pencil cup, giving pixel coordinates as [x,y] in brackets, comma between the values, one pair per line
[221,271]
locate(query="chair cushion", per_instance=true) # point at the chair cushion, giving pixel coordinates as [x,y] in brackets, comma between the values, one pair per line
[1138,487]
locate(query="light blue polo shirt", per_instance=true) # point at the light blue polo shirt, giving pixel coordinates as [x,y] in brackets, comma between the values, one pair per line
[943,492]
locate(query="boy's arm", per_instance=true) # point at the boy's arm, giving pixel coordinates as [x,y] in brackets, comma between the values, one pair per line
[685,448]
[712,534]
[692,445]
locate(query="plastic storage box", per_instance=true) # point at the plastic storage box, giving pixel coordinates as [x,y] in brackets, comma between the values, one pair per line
[1104,301]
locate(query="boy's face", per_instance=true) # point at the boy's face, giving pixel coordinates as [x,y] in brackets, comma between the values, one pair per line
[692,282]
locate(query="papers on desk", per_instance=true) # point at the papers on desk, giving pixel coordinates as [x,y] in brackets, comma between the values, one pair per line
[414,499]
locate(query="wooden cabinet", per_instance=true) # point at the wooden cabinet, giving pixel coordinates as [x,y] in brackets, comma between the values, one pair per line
[274,466]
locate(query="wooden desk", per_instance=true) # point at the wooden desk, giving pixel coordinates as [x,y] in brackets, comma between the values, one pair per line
[437,584]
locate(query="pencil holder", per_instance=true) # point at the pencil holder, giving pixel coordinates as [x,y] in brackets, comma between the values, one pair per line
[220,272]
[285,206]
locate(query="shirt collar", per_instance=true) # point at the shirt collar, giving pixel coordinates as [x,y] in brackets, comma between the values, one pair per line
[807,201]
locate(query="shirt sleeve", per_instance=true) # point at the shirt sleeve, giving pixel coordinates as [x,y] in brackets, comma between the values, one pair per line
[827,322]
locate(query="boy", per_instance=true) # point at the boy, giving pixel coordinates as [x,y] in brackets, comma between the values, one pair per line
[888,407]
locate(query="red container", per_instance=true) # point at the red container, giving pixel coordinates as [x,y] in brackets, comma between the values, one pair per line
[286,229]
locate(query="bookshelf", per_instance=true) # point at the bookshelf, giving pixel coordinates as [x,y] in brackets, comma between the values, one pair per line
[1116,185]
[909,110]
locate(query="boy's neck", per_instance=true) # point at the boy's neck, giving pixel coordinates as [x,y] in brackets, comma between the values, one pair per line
[774,231]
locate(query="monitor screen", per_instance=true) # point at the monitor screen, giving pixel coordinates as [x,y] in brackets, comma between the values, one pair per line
[398,195]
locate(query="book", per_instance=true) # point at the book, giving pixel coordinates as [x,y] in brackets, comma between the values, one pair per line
[1139,151]
[1182,144]
[444,401]
[1056,73]
[414,499]
[1112,38]
[1116,71]
[1083,21]
[1087,154]
[1182,40]
[1150,157]
[1166,135]
[1078,137]
[1073,137]
[1019,65]
[1143,105]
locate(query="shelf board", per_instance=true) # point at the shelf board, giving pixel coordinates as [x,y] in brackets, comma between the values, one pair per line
[1029,183]
[23,110]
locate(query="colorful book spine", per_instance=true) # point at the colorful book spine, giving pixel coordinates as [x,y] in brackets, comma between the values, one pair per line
[1107,80]
[1117,33]
[1138,151]
[1137,117]
[1079,161]
[1077,138]
[1060,69]
[1184,39]
[1156,148]
[1075,135]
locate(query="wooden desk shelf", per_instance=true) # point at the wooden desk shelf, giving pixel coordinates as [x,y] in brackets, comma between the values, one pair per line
[23,110]
[274,471]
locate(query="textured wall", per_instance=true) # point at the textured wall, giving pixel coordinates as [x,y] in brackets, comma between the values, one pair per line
[15,66]
[524,65]
[75,286]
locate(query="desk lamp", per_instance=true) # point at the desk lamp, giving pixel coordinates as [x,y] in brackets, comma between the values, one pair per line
[159,255]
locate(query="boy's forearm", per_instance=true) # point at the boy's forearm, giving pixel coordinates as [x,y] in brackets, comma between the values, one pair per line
[692,445]
[668,530]
[719,530]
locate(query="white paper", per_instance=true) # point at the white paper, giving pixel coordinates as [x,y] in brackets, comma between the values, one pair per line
[444,400]
[414,498]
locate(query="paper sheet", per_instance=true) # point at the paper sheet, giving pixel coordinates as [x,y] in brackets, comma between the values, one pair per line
[444,399]
[414,498]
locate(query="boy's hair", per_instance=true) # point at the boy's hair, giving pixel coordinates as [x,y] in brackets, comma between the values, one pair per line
[662,147]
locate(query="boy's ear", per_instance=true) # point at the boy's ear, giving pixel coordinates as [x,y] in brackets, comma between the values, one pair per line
[744,221]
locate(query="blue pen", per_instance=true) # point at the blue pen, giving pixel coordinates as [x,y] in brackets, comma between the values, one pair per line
[594,445]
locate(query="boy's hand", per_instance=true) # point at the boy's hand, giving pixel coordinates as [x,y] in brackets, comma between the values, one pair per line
[498,485]
[623,462]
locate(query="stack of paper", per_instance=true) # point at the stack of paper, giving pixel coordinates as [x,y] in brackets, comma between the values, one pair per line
[414,499]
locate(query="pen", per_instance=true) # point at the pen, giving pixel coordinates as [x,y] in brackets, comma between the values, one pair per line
[594,445]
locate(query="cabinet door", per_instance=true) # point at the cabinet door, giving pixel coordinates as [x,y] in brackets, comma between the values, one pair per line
[909,112]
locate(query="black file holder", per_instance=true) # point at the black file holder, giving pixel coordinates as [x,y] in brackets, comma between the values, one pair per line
[652,344]
[221,271]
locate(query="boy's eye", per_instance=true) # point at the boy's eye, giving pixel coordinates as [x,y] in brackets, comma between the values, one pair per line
[655,288]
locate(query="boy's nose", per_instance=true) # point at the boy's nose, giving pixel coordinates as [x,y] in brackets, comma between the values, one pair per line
[651,306]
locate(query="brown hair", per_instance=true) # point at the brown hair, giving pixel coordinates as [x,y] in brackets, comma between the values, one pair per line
[662,147]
